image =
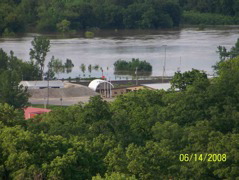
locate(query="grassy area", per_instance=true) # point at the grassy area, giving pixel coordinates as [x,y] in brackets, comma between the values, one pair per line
[52,107]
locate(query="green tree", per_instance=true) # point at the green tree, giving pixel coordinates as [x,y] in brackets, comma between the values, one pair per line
[114,176]
[39,50]
[49,14]
[26,70]
[122,66]
[68,65]
[182,80]
[133,15]
[30,72]
[235,50]
[10,116]
[224,54]
[83,68]
[10,90]
[3,60]
[223,93]
[56,66]
[169,131]
[96,67]
[52,157]
[80,14]
[97,116]
[50,74]
[134,114]
[228,145]
[63,26]
[174,11]
[90,69]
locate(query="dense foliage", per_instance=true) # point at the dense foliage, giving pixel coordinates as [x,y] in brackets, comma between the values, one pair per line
[197,18]
[132,67]
[25,69]
[228,54]
[12,71]
[73,15]
[180,80]
[225,7]
[138,136]
[225,54]
[10,90]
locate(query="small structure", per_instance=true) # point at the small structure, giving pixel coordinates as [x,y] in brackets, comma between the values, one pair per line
[30,112]
[158,86]
[101,86]
[118,91]
[42,84]
[123,90]
[136,88]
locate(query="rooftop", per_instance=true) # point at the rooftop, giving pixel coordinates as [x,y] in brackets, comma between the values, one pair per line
[159,86]
[30,110]
[42,84]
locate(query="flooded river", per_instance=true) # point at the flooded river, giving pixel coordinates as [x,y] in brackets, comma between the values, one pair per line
[183,49]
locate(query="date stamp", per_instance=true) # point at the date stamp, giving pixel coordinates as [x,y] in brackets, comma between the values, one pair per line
[203,157]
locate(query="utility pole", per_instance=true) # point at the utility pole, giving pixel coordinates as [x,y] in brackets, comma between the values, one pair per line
[110,88]
[107,85]
[164,64]
[45,102]
[47,91]
[179,68]
[136,72]
[61,101]
[48,76]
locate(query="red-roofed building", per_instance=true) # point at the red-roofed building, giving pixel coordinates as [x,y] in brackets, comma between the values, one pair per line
[30,112]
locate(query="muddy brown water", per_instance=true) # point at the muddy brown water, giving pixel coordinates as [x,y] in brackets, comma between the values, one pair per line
[185,49]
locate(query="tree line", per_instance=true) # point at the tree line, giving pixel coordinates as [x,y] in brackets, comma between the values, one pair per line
[224,7]
[74,15]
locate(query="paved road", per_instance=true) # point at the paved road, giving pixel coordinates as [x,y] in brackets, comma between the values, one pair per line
[65,101]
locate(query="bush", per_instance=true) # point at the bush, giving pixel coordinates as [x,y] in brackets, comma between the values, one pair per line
[8,33]
[124,66]
[89,34]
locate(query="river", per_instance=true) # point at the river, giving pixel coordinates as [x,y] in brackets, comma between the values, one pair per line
[185,49]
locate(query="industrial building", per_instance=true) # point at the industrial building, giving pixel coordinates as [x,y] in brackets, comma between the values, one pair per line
[158,86]
[122,90]
[42,84]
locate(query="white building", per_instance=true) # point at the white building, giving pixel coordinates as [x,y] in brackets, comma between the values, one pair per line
[42,84]
[101,86]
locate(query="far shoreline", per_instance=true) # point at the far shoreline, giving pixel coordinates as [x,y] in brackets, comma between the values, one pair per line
[118,32]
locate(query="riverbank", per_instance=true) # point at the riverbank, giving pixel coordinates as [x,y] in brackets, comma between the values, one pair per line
[197,23]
